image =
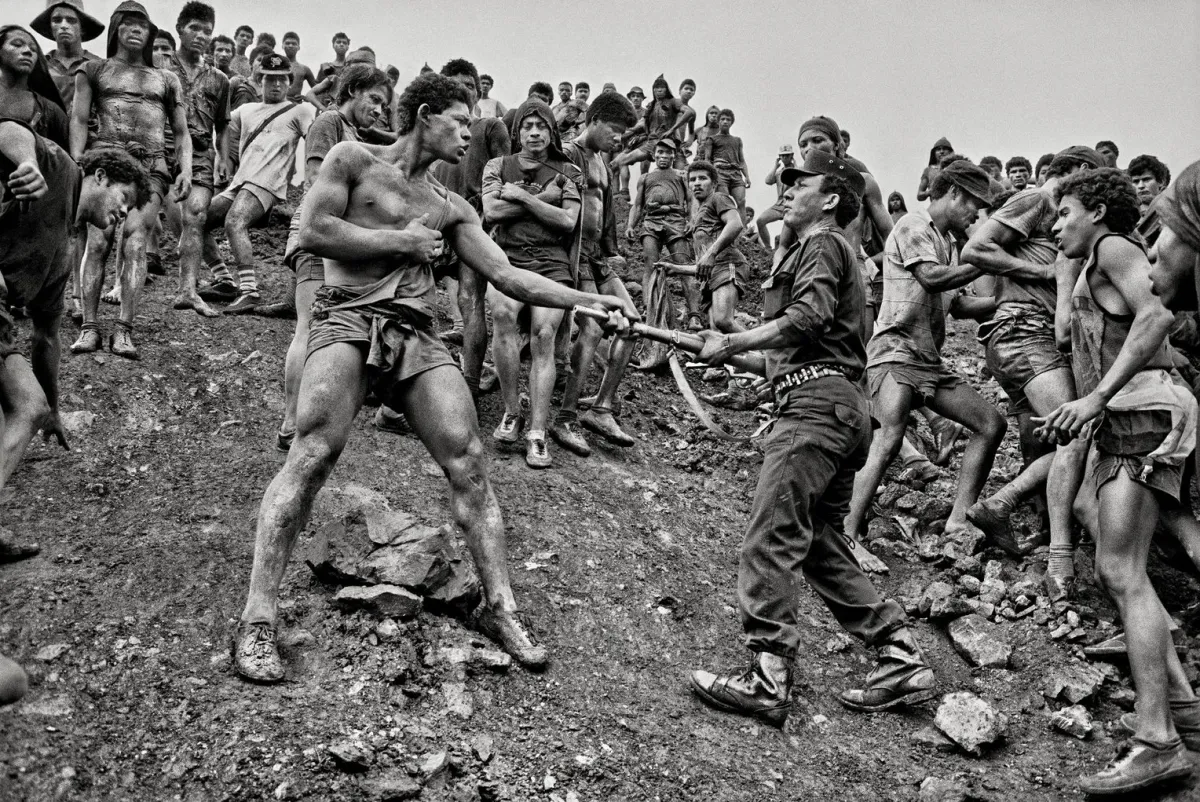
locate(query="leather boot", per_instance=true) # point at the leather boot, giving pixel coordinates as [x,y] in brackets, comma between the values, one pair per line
[764,690]
[900,677]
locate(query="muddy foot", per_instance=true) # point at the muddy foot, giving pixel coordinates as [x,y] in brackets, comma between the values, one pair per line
[113,296]
[195,303]
[866,560]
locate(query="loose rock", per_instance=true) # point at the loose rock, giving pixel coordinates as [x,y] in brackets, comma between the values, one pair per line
[935,789]
[980,642]
[1073,683]
[351,755]
[1074,720]
[969,721]
[383,601]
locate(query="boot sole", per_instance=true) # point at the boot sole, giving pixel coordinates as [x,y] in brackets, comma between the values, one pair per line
[776,717]
[1141,785]
[914,698]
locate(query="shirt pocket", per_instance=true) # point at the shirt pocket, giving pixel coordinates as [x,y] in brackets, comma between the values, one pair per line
[777,294]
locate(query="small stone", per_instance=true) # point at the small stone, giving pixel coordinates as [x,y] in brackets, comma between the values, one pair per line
[969,583]
[969,721]
[980,642]
[461,592]
[1022,601]
[1075,721]
[993,569]
[396,787]
[1122,697]
[947,609]
[1073,619]
[1060,632]
[458,699]
[435,765]
[351,755]
[838,643]
[549,783]
[1024,587]
[936,590]
[934,789]
[77,422]
[482,747]
[993,591]
[969,566]
[50,653]
[387,630]
[384,601]
[1073,683]
[933,738]
[982,608]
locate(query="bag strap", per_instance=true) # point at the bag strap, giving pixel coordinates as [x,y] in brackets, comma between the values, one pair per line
[254,135]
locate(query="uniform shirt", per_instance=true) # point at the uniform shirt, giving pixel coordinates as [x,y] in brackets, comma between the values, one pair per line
[708,225]
[34,237]
[267,162]
[133,104]
[816,294]
[1031,213]
[63,69]
[911,326]
[206,96]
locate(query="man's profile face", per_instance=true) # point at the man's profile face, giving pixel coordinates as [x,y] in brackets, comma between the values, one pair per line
[812,139]
[583,93]
[194,37]
[105,202]
[368,106]
[291,47]
[449,133]
[534,135]
[65,25]
[564,92]
[1043,174]
[1074,228]
[701,184]
[1174,270]
[468,83]
[244,38]
[17,55]
[687,92]
[1147,187]
[341,45]
[1019,176]
[663,157]
[805,201]
[962,211]
[222,54]
[274,87]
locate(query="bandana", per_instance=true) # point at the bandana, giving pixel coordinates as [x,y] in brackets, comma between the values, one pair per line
[826,126]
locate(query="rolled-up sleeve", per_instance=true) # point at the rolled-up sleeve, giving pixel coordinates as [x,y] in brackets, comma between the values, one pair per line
[814,292]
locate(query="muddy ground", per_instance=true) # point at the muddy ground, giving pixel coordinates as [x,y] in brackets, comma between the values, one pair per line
[625,562]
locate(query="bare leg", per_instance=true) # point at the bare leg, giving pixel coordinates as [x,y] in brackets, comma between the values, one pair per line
[765,219]
[890,407]
[193,214]
[681,253]
[506,348]
[472,293]
[25,409]
[543,331]
[964,405]
[245,212]
[452,293]
[293,366]
[139,226]
[1046,393]
[90,286]
[720,314]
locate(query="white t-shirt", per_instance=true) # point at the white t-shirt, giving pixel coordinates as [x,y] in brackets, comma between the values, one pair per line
[267,162]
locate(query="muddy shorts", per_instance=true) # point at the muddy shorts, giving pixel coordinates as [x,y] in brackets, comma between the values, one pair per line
[593,264]
[397,347]
[204,169]
[728,178]
[925,381]
[1019,349]
[735,273]
[551,263]
[305,265]
[266,197]
[1121,442]
[664,229]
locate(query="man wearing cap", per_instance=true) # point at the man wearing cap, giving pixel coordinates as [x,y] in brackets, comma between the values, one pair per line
[265,135]
[636,95]
[206,93]
[68,26]
[813,342]
[1016,246]
[133,103]
[666,118]
[905,370]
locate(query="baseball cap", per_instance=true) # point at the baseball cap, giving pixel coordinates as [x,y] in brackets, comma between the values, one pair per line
[787,150]
[971,178]
[1082,153]
[667,142]
[275,64]
[821,163]
[636,89]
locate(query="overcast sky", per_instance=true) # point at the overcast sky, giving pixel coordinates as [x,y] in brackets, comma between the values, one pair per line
[1003,78]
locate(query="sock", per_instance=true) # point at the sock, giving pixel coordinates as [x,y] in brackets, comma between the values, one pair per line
[220,273]
[247,282]
[535,434]
[1062,561]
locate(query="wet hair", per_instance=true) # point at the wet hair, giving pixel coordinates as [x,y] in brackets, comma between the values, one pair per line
[542,90]
[1110,187]
[433,90]
[987,161]
[267,39]
[163,33]
[611,107]
[291,35]
[340,35]
[221,40]
[1149,164]
[195,11]
[485,76]
[687,82]
[849,203]
[1108,143]
[245,28]
[1045,159]
[120,167]
[727,113]
[702,166]
[365,49]
[1061,165]
[1017,161]
[460,66]
[941,184]
[583,85]
[359,78]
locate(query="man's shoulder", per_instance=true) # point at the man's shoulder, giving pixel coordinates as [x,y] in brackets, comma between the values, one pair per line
[1025,200]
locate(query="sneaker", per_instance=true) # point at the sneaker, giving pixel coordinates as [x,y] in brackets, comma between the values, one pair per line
[508,431]
[567,435]
[537,454]
[764,690]
[120,342]
[602,422]
[511,633]
[994,520]
[256,654]
[244,304]
[388,420]
[284,310]
[87,343]
[1186,718]
[1139,765]
[945,434]
[218,291]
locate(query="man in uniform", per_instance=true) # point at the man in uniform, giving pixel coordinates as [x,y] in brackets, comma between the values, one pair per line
[378,203]
[134,103]
[813,343]
[68,26]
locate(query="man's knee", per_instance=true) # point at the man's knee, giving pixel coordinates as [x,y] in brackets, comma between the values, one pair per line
[1116,574]
[466,466]
[994,426]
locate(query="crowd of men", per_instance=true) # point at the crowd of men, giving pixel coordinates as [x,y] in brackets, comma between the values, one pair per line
[1072,268]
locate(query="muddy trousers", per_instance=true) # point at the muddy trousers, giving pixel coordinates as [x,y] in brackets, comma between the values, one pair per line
[820,439]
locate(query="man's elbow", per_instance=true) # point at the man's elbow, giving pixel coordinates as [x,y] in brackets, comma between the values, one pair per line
[976,252]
